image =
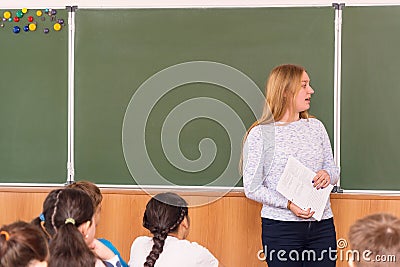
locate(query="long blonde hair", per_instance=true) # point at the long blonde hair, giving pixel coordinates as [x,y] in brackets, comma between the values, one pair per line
[281,89]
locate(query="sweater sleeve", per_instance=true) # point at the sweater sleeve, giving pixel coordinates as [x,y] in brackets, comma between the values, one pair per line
[329,164]
[258,154]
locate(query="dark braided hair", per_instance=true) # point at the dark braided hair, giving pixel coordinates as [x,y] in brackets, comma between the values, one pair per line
[44,220]
[164,213]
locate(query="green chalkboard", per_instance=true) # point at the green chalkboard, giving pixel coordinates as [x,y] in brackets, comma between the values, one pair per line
[119,52]
[33,101]
[370,93]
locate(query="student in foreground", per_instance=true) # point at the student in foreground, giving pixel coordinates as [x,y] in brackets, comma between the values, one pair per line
[68,221]
[375,241]
[95,194]
[166,217]
[22,245]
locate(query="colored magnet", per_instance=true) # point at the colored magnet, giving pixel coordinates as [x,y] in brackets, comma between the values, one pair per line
[19,14]
[30,18]
[61,21]
[24,10]
[2,25]
[57,26]
[32,27]
[39,13]
[16,29]
[26,28]
[53,12]
[4,19]
[10,19]
[7,14]
[46,30]
[16,19]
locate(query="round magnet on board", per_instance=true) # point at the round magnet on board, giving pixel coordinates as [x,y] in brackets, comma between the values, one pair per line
[16,19]
[26,28]
[16,29]
[7,14]
[19,14]
[30,18]
[32,27]
[46,30]
[46,10]
[10,19]
[2,25]
[61,21]
[53,12]
[4,19]
[24,10]
[57,26]
[39,13]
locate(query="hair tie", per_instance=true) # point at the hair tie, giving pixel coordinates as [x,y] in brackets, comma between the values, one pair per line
[6,234]
[70,220]
[41,217]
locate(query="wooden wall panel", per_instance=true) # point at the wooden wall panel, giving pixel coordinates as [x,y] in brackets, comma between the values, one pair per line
[229,227]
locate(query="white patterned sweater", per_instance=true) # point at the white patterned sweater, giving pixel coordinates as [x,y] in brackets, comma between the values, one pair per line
[265,154]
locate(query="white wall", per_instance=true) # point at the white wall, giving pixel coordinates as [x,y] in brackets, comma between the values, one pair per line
[181,3]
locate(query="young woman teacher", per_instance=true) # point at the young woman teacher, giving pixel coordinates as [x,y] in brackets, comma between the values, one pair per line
[290,236]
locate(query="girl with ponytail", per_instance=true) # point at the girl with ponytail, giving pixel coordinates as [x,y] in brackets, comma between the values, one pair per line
[68,220]
[166,217]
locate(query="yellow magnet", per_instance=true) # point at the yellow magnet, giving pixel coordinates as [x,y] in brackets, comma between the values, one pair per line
[24,10]
[7,14]
[32,27]
[57,26]
[39,13]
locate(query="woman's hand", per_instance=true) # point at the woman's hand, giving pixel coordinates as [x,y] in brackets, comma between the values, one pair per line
[321,179]
[299,212]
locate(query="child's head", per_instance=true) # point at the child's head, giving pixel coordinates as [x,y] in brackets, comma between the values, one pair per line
[69,217]
[377,233]
[164,214]
[94,193]
[22,245]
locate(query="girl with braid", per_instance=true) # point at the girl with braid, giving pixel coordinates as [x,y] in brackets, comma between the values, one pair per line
[166,217]
[68,220]
[22,245]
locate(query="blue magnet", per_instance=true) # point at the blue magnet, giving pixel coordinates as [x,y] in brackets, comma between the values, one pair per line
[61,21]
[53,12]
[46,30]
[26,28]
[16,29]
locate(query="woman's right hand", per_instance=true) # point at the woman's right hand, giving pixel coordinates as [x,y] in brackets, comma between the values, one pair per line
[299,212]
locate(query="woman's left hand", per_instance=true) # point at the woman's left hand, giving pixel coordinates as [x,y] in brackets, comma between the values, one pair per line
[321,179]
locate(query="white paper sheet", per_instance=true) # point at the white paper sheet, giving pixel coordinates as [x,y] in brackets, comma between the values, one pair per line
[296,185]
